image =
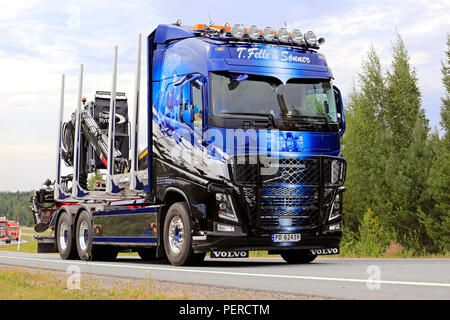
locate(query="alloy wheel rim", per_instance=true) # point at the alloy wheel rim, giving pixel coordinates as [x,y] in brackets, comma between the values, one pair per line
[83,238]
[63,235]
[176,234]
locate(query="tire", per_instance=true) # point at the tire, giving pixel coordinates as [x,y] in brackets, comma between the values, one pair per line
[147,254]
[177,235]
[65,241]
[298,256]
[83,236]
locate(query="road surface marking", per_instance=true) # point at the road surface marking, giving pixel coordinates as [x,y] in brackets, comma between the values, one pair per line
[179,269]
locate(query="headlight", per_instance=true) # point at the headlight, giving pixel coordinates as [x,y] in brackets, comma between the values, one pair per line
[335,210]
[237,31]
[297,37]
[268,34]
[311,38]
[253,33]
[283,35]
[226,208]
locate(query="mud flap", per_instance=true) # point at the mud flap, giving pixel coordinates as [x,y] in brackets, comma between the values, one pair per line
[45,244]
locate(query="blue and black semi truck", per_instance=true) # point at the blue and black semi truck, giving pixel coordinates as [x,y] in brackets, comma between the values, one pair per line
[241,152]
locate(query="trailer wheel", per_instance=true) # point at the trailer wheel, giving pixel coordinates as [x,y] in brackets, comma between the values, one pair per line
[147,254]
[83,236]
[177,235]
[298,256]
[64,238]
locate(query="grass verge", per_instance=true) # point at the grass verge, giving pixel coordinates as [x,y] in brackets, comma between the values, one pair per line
[21,283]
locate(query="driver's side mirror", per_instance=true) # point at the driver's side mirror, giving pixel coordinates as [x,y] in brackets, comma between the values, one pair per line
[339,110]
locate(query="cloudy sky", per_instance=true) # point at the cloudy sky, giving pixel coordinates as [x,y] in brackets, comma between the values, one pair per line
[41,39]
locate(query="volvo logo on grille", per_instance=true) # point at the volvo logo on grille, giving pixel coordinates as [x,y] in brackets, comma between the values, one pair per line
[286,174]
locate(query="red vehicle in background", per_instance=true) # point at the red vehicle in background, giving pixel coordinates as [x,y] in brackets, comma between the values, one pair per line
[3,228]
[12,231]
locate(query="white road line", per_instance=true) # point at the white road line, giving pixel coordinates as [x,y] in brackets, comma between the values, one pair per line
[411,283]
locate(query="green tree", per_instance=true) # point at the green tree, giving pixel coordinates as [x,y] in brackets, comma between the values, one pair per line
[363,141]
[436,217]
[403,99]
[445,108]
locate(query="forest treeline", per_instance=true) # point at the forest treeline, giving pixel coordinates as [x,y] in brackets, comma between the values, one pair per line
[16,206]
[398,177]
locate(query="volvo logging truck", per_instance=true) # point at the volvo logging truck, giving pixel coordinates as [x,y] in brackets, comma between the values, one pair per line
[242,152]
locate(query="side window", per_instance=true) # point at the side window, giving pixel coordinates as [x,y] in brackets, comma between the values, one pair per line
[197,104]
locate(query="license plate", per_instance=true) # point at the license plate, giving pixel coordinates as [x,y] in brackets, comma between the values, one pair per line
[229,254]
[326,251]
[286,237]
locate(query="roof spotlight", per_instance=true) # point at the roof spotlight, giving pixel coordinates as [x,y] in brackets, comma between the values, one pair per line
[268,34]
[253,32]
[283,35]
[237,31]
[311,38]
[297,37]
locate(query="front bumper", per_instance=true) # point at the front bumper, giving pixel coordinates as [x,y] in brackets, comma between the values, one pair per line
[218,241]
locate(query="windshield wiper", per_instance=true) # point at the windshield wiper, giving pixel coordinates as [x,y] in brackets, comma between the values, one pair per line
[323,117]
[268,115]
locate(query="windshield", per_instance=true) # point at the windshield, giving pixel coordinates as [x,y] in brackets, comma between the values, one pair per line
[234,95]
[2,224]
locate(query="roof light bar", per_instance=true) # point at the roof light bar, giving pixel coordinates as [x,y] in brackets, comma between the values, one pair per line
[253,33]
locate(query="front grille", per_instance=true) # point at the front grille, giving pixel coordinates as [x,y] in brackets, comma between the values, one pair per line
[296,194]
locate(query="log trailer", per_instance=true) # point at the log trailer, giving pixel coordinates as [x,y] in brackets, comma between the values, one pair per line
[242,153]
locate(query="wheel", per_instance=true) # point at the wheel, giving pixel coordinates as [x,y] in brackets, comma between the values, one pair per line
[147,254]
[83,236]
[298,256]
[64,237]
[177,235]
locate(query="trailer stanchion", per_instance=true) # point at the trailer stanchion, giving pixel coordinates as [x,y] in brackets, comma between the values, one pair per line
[58,194]
[135,184]
[111,188]
[77,192]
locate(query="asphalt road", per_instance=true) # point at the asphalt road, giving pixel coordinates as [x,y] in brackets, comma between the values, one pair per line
[340,278]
